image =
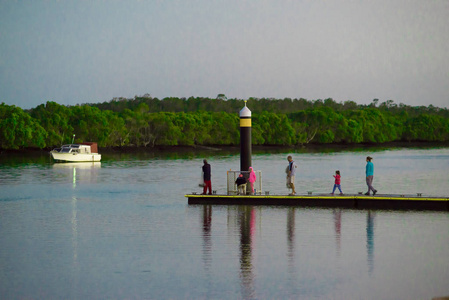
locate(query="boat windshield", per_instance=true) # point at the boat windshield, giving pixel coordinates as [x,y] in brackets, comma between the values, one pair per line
[65,150]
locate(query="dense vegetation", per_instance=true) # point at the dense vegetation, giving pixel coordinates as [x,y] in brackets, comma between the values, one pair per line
[148,122]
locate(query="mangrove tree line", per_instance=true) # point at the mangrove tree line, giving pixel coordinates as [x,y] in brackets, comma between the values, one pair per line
[147,122]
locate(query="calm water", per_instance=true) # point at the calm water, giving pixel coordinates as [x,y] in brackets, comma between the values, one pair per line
[122,229]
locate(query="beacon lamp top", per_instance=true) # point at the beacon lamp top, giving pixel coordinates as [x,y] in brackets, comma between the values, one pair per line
[245,112]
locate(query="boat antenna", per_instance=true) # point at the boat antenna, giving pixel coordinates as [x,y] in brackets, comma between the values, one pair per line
[73,138]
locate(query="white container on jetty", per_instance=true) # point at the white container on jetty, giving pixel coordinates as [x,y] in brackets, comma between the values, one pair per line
[84,152]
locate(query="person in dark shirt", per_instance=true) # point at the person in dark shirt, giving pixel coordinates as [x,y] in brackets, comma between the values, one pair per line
[207,178]
[241,184]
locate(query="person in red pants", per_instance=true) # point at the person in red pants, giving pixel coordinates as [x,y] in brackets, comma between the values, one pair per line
[206,177]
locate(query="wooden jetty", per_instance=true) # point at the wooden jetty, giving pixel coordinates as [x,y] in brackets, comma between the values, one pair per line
[354,201]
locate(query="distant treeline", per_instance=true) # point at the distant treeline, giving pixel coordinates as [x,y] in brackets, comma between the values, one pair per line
[147,122]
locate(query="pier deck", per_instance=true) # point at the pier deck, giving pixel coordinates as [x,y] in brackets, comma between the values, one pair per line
[356,201]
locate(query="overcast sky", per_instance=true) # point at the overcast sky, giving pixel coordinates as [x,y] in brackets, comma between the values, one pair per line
[76,51]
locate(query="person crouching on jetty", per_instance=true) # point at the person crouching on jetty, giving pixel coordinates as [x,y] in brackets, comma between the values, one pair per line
[241,185]
[337,182]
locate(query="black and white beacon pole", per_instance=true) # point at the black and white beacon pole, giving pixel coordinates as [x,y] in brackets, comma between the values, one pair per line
[245,139]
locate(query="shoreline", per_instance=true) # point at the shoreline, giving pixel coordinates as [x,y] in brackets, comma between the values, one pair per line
[236,148]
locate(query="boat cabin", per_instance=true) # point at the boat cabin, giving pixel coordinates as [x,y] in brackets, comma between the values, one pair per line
[83,148]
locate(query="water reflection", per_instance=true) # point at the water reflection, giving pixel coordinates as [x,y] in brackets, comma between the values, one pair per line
[81,171]
[370,240]
[293,273]
[74,222]
[245,217]
[207,241]
[291,235]
[75,263]
[337,228]
[75,173]
[246,220]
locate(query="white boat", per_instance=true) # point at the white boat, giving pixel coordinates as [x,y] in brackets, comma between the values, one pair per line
[76,153]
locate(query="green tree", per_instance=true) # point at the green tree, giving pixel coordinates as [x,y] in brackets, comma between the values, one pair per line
[19,130]
[54,118]
[162,130]
[275,128]
[117,131]
[89,124]
[427,128]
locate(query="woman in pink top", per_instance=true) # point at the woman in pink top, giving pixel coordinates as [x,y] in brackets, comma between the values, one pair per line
[252,179]
[337,182]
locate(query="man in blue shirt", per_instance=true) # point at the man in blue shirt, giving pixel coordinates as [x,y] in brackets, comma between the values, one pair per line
[369,176]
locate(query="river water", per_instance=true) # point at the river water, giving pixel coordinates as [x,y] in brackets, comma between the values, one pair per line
[122,229]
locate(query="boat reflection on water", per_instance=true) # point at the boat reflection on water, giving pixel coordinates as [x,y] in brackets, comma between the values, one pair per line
[76,173]
[79,165]
[80,171]
[75,263]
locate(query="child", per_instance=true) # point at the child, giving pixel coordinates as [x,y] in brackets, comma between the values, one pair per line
[252,179]
[337,182]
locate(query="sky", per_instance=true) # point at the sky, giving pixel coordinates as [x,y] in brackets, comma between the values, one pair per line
[78,51]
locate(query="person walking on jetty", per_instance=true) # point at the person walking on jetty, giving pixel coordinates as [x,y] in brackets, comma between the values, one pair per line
[241,185]
[207,178]
[252,179]
[337,182]
[291,172]
[369,176]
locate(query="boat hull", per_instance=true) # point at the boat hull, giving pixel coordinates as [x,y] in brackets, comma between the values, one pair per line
[75,157]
